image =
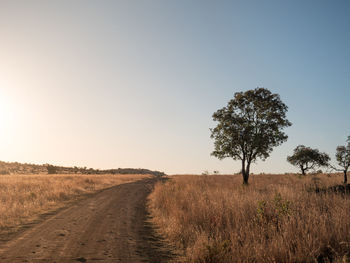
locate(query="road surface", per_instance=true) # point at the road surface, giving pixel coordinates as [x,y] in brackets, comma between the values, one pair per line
[110,226]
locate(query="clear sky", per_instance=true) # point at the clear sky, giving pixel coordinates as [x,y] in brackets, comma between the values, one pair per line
[134,83]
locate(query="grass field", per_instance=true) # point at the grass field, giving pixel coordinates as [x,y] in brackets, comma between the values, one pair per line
[277,218]
[23,198]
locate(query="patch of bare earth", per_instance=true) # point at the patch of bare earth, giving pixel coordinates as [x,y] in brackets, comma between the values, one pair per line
[109,226]
[25,198]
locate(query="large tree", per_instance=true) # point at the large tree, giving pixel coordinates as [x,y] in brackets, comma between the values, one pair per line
[343,158]
[249,127]
[307,158]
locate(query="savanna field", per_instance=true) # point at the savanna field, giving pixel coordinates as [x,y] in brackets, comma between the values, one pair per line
[277,218]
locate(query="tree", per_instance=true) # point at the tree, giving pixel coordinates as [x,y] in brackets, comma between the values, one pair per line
[306,158]
[51,169]
[249,127]
[343,158]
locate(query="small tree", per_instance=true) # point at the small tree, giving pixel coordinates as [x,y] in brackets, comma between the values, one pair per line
[306,158]
[342,156]
[249,127]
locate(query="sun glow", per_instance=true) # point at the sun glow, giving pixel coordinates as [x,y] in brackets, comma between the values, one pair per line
[6,113]
[3,111]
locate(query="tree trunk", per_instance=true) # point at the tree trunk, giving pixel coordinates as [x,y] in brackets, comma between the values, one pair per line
[302,170]
[245,175]
[345,177]
[245,172]
[245,178]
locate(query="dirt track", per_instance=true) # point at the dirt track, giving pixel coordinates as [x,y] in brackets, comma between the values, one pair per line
[110,226]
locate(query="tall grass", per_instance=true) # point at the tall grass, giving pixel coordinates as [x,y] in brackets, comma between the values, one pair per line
[277,218]
[24,197]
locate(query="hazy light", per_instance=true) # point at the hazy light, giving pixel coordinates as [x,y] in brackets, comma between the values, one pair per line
[110,84]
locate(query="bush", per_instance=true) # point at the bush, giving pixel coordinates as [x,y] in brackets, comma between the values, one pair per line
[4,172]
[51,169]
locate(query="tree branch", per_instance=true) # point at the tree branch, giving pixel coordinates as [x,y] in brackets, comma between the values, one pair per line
[336,169]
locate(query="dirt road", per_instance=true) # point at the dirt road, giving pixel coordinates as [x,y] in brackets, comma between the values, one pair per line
[110,226]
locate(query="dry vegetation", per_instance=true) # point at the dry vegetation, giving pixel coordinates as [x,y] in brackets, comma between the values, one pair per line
[277,218]
[24,197]
[27,168]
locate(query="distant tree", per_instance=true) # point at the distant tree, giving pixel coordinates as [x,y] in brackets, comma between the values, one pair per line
[342,156]
[306,158]
[249,127]
[51,169]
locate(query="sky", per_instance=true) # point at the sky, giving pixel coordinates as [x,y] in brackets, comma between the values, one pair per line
[134,83]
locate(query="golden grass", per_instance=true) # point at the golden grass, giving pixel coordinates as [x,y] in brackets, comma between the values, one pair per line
[24,197]
[277,218]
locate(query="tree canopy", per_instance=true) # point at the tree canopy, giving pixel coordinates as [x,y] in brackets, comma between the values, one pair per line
[307,158]
[249,127]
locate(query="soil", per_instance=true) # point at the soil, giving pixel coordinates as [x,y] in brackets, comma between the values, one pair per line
[110,226]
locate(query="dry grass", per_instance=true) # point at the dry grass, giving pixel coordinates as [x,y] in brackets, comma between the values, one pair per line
[24,197]
[277,218]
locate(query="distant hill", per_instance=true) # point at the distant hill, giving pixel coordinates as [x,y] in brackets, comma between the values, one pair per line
[25,168]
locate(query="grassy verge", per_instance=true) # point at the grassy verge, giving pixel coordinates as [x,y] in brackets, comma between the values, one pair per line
[277,218]
[23,198]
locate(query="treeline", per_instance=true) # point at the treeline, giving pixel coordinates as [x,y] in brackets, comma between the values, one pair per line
[20,168]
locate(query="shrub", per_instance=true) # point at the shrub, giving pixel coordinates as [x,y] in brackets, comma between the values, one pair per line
[51,169]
